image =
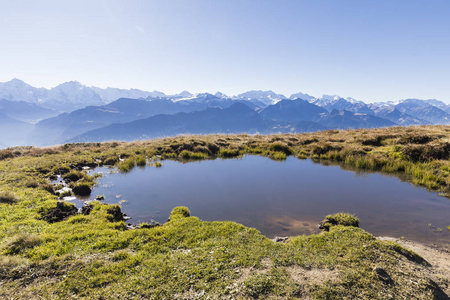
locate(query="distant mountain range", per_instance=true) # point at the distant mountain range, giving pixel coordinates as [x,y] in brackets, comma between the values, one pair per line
[73,95]
[72,112]
[238,118]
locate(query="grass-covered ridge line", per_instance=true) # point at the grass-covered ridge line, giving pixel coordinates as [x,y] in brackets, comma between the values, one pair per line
[93,254]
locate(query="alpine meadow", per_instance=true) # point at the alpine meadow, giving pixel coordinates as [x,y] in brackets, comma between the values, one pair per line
[224,149]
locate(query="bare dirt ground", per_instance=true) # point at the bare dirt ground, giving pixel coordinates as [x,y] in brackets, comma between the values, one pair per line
[438,258]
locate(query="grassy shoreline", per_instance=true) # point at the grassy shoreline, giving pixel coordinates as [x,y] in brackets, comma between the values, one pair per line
[93,254]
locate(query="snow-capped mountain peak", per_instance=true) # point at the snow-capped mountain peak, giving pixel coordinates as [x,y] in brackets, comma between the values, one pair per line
[16,82]
[70,86]
[267,97]
[183,94]
[303,96]
[220,95]
[330,97]
[353,101]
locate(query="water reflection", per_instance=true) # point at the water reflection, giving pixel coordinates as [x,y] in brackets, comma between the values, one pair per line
[279,198]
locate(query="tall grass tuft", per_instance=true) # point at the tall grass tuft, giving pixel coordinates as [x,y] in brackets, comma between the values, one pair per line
[185,154]
[344,219]
[229,152]
[280,147]
[110,161]
[277,155]
[20,243]
[179,212]
[73,176]
[126,165]
[8,198]
[82,189]
[141,161]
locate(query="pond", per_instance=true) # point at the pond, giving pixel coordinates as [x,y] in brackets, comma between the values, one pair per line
[279,198]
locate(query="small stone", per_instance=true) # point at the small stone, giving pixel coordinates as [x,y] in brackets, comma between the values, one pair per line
[280,239]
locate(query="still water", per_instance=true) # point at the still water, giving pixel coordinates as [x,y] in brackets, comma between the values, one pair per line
[279,198]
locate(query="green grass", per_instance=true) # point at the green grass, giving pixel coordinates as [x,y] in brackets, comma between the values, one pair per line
[344,219]
[185,154]
[65,194]
[73,175]
[179,213]
[229,152]
[277,155]
[20,243]
[187,255]
[280,147]
[126,165]
[141,161]
[82,189]
[95,256]
[8,198]
[110,161]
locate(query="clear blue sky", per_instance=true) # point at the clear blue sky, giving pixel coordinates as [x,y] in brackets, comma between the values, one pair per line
[369,50]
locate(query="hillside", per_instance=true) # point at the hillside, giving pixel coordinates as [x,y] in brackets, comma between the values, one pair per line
[50,250]
[67,125]
[394,115]
[343,119]
[25,111]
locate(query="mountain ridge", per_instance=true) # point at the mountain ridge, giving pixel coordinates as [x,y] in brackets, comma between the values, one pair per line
[72,109]
[18,90]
